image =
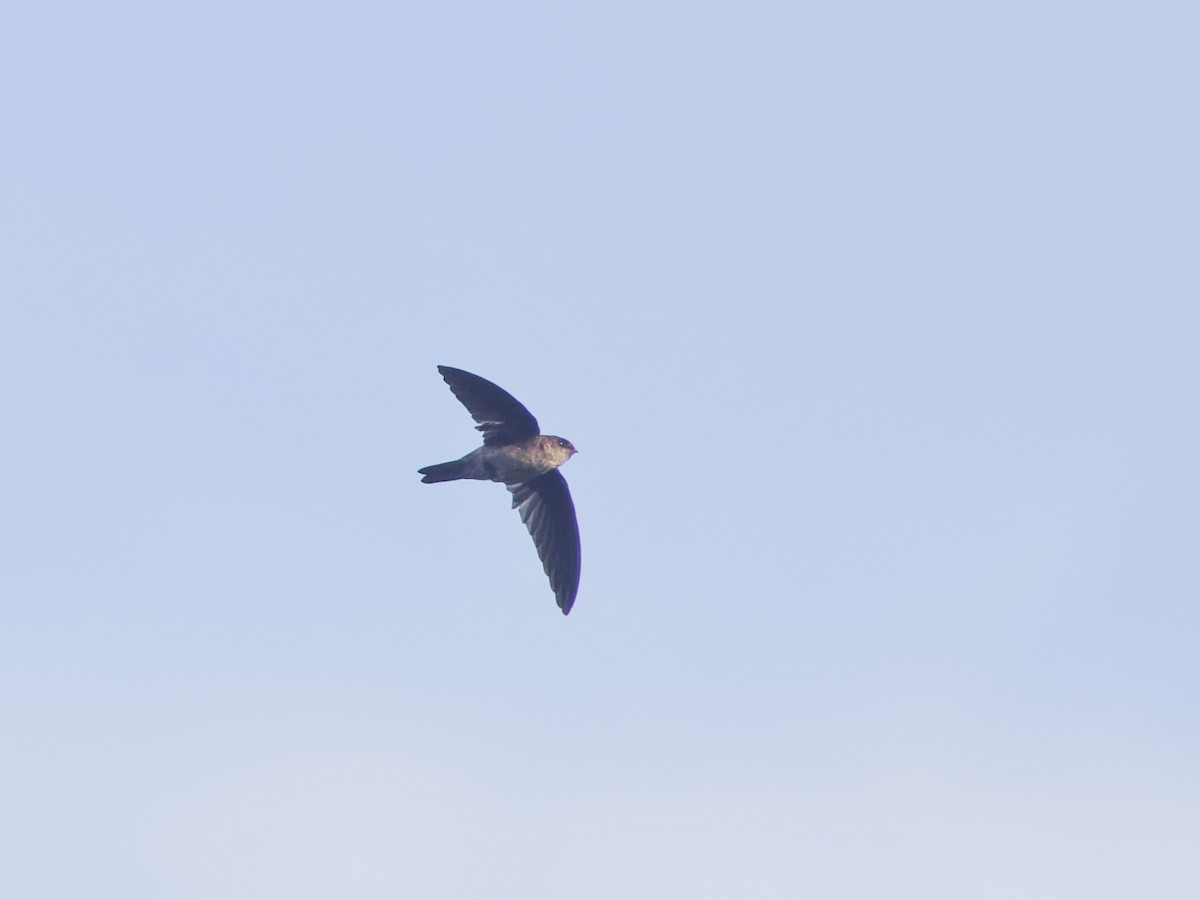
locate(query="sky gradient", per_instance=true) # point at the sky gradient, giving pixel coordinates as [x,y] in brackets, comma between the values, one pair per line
[877,328]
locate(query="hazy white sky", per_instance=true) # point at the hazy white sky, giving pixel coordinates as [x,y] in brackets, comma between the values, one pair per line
[876,326]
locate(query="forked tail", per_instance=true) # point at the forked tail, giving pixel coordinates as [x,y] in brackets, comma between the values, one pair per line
[451,471]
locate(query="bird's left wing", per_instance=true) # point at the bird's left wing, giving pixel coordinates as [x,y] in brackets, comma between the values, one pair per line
[548,512]
[501,417]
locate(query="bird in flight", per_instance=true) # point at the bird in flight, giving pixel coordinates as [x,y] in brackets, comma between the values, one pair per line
[516,453]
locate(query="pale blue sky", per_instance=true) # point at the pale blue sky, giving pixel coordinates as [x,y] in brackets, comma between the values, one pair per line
[876,325]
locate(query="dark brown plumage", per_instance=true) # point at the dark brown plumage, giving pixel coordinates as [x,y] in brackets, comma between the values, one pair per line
[515,453]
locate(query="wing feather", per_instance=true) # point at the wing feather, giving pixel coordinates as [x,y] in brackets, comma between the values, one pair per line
[501,417]
[548,512]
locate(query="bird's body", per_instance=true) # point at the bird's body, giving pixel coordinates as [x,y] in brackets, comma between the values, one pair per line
[510,463]
[515,453]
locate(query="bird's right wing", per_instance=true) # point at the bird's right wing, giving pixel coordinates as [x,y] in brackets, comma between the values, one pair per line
[501,417]
[548,512]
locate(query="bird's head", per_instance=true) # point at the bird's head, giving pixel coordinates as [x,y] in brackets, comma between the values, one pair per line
[561,447]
